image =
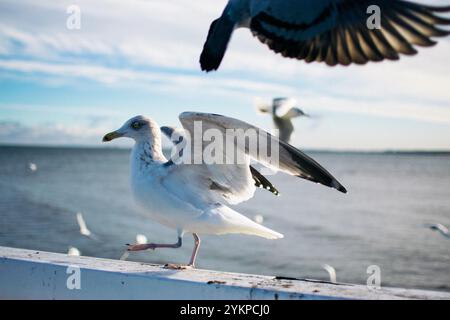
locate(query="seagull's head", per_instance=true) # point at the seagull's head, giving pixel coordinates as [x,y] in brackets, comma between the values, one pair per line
[139,128]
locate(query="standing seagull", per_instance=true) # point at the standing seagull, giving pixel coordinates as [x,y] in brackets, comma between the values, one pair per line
[283,110]
[193,198]
[330,31]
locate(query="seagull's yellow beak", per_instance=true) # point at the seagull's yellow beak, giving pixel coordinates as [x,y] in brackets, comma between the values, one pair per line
[111,136]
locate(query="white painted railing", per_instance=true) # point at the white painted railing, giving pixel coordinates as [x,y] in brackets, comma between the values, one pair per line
[26,274]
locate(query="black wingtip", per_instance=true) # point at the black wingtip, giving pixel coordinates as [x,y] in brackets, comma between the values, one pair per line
[263,183]
[342,189]
[339,187]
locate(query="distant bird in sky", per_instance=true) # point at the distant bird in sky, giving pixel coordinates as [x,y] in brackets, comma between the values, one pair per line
[330,31]
[443,230]
[194,198]
[283,110]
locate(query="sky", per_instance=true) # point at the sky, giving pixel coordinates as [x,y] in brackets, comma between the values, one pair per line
[61,86]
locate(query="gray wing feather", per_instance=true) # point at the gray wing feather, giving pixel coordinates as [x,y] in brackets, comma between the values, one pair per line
[291,160]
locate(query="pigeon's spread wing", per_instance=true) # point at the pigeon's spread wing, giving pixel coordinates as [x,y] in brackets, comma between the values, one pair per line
[290,160]
[336,31]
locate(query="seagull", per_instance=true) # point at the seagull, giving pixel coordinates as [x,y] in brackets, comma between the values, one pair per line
[73,252]
[331,272]
[441,229]
[195,198]
[32,166]
[335,32]
[283,110]
[82,224]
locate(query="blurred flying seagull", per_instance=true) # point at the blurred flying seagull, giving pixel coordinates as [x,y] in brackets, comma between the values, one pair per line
[82,224]
[441,229]
[330,31]
[194,198]
[84,229]
[331,272]
[283,110]
[32,166]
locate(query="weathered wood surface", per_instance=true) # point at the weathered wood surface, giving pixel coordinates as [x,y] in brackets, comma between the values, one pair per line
[27,274]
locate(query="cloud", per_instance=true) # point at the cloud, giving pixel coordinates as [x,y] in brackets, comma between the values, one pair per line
[155,45]
[164,81]
[12,132]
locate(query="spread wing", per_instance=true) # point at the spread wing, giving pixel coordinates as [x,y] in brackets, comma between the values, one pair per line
[336,32]
[290,160]
[178,135]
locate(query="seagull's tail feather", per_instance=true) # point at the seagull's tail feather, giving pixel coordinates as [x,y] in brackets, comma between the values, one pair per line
[265,233]
[252,228]
[224,220]
[216,43]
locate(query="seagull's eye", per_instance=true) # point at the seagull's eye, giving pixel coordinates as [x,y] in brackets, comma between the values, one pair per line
[136,125]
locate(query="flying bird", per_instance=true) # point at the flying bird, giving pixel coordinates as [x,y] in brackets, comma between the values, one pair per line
[194,198]
[283,110]
[331,272]
[443,230]
[82,224]
[335,32]
[32,166]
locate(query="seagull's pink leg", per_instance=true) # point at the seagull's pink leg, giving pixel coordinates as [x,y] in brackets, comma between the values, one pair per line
[193,257]
[153,246]
[195,251]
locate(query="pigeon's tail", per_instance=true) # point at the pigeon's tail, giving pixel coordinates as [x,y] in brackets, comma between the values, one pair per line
[216,43]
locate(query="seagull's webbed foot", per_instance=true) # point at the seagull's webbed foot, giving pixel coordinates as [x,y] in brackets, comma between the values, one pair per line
[153,246]
[172,266]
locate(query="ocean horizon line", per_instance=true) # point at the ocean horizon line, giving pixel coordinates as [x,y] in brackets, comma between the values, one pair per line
[307,150]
